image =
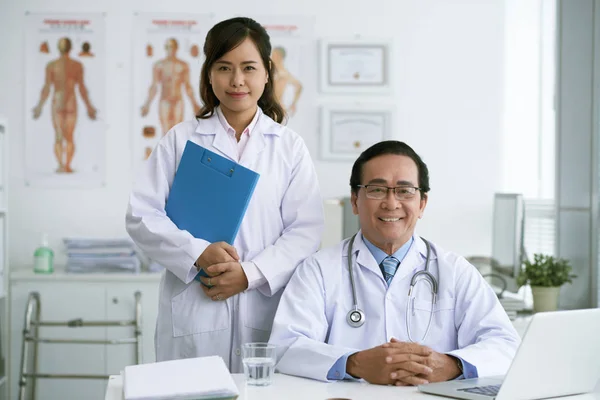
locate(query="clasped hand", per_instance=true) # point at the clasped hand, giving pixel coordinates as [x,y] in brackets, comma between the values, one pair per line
[402,364]
[226,277]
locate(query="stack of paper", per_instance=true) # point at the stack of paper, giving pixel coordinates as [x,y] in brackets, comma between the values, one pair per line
[190,378]
[512,304]
[101,255]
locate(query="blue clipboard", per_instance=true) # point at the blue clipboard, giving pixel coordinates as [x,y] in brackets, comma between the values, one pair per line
[209,195]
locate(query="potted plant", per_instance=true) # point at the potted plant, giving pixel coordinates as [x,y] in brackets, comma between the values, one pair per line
[545,275]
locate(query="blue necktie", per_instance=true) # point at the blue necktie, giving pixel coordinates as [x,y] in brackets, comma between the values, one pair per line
[388,267]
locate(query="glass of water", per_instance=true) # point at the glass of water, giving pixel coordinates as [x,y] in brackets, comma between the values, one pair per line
[259,363]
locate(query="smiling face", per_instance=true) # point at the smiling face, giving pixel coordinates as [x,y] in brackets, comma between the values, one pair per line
[238,79]
[388,223]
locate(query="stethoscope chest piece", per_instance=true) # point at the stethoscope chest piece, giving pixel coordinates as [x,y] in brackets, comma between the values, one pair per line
[355,317]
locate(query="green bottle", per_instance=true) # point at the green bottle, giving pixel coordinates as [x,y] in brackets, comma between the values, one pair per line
[43,258]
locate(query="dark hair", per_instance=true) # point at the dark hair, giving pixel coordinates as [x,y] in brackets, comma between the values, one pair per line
[85,46]
[224,37]
[389,147]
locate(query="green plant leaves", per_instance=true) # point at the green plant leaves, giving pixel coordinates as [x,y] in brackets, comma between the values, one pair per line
[545,271]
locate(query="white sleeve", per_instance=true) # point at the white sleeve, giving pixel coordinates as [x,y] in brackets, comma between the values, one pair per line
[303,222]
[300,326]
[486,337]
[253,274]
[147,222]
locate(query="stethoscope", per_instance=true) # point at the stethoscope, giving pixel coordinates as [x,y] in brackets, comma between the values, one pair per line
[356,316]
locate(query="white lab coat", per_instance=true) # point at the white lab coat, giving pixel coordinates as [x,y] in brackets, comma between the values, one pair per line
[310,326]
[282,226]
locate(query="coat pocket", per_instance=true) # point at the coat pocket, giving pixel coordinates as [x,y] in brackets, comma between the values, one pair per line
[260,310]
[440,305]
[421,321]
[193,312]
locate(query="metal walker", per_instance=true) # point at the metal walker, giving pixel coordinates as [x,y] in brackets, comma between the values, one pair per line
[31,341]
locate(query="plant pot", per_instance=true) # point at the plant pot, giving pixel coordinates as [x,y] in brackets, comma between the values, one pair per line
[545,298]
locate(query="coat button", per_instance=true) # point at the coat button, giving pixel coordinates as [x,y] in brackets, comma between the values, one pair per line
[237,352]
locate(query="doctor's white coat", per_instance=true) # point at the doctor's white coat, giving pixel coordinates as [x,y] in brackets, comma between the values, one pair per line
[310,326]
[282,226]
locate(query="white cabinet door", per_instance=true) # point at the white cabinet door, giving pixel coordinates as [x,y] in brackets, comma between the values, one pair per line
[121,306]
[62,301]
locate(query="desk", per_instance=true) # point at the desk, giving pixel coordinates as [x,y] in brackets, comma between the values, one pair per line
[521,323]
[292,388]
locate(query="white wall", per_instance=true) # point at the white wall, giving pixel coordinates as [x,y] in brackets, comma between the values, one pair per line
[448,80]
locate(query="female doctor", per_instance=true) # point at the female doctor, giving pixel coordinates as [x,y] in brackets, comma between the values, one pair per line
[386,305]
[282,225]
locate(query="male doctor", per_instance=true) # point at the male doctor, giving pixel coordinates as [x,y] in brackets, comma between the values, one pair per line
[388,333]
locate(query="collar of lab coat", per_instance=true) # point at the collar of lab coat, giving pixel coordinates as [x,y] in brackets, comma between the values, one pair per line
[257,142]
[415,258]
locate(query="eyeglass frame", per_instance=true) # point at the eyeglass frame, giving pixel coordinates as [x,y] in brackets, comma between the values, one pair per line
[388,188]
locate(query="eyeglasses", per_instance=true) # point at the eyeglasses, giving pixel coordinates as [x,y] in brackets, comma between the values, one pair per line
[379,192]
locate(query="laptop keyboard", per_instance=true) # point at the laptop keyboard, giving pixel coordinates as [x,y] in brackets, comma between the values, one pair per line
[490,390]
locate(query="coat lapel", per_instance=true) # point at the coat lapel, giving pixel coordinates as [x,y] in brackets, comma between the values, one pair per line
[365,258]
[415,259]
[257,142]
[221,141]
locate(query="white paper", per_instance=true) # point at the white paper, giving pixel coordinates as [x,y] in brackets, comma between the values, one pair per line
[352,133]
[190,378]
[356,65]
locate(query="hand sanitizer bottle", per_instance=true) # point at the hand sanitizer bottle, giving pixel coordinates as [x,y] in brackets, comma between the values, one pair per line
[43,258]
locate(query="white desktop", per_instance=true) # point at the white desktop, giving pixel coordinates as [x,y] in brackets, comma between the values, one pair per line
[292,388]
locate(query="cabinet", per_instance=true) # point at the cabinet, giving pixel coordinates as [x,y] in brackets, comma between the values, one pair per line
[65,297]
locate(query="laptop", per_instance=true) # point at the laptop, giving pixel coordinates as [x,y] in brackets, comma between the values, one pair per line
[559,356]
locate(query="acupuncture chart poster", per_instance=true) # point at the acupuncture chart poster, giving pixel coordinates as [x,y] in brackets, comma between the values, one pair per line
[167,58]
[293,55]
[65,110]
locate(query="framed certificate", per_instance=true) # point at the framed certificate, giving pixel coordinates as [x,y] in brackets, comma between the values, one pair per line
[348,130]
[357,66]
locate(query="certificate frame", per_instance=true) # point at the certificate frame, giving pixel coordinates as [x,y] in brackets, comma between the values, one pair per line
[348,130]
[355,66]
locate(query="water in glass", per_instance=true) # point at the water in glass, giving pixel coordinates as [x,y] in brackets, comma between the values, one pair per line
[258,370]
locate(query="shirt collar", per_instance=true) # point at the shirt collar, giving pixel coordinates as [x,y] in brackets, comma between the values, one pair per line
[380,255]
[230,130]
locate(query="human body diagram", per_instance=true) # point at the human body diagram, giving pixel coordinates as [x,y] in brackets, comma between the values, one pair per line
[171,74]
[63,75]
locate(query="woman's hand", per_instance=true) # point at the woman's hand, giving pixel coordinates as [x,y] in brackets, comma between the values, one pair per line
[216,253]
[225,280]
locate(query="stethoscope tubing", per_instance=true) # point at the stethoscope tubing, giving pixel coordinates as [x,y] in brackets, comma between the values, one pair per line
[356,317]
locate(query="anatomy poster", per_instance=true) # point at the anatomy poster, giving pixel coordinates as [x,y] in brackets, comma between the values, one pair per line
[292,41]
[65,130]
[166,75]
